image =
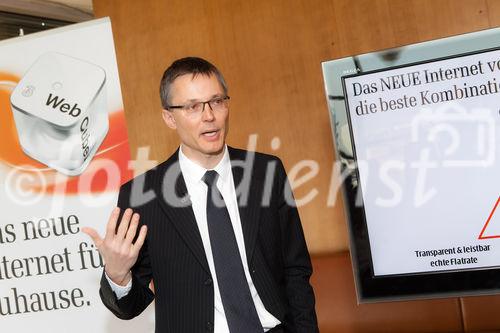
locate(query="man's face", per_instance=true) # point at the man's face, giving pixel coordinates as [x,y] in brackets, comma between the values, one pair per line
[201,135]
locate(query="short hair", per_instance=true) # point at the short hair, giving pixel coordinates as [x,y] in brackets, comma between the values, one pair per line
[189,65]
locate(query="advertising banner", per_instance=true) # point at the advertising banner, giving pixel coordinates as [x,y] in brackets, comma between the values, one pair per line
[63,155]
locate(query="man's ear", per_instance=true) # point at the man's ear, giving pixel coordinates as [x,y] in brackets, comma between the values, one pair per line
[168,118]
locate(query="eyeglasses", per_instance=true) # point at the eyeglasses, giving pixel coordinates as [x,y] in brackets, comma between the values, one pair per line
[195,109]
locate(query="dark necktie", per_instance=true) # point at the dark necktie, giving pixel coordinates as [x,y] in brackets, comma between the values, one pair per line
[239,307]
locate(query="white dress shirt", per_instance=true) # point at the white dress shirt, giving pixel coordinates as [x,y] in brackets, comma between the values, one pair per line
[197,189]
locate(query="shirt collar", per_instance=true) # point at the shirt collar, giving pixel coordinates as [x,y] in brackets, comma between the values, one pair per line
[194,172]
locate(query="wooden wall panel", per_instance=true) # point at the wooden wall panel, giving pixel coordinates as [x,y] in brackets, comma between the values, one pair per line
[493,12]
[369,25]
[480,313]
[338,311]
[270,52]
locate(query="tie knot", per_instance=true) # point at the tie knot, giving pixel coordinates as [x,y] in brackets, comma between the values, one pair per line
[210,177]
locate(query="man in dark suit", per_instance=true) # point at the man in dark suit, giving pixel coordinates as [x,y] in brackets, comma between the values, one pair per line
[218,234]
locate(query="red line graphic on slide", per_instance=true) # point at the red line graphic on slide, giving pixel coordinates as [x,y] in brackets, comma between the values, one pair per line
[481,235]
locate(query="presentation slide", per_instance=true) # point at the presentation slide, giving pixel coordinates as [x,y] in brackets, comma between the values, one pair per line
[426,142]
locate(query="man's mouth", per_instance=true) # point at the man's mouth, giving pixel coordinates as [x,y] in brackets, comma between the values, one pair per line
[210,133]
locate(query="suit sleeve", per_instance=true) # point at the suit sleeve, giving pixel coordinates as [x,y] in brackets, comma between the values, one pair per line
[301,314]
[140,296]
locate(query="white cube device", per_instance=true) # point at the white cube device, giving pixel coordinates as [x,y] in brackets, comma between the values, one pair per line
[60,112]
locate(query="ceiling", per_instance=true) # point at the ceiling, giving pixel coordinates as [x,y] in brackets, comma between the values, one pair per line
[84,5]
[64,10]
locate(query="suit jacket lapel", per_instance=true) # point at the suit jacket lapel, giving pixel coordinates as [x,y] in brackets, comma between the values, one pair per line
[248,187]
[174,200]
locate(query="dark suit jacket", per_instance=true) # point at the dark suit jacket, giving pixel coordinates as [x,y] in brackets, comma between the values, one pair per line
[173,254]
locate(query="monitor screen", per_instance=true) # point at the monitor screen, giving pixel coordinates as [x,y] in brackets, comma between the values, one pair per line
[416,130]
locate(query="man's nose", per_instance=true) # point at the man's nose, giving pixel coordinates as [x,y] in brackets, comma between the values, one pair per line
[207,113]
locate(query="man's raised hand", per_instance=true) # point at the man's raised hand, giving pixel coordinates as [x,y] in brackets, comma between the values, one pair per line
[117,247]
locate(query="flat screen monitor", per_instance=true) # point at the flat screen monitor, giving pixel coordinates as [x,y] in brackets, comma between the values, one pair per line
[417,136]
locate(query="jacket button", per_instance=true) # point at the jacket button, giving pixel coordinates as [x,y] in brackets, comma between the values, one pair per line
[208,282]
